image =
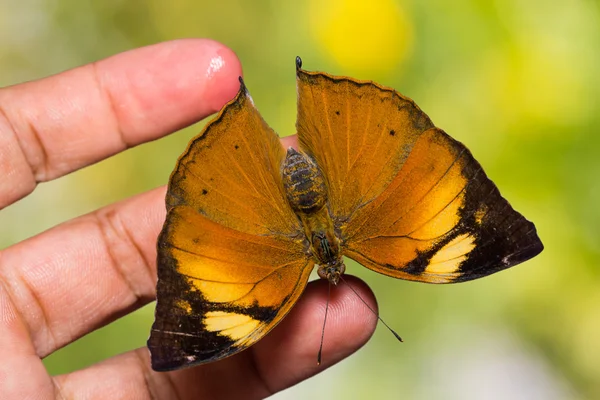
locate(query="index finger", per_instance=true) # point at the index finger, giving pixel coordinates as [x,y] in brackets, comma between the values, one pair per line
[59,124]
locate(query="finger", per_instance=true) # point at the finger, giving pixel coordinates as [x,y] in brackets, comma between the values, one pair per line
[290,141]
[83,274]
[56,125]
[18,356]
[290,354]
[283,358]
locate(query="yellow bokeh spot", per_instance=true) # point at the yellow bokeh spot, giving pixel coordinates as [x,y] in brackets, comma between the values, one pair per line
[363,37]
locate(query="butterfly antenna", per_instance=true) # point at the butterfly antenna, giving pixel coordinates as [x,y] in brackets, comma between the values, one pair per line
[369,307]
[324,322]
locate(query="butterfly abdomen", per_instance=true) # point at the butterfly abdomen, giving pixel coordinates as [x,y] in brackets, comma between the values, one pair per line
[303,183]
[306,192]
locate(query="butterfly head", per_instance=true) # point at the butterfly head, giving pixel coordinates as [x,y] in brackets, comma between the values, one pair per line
[332,271]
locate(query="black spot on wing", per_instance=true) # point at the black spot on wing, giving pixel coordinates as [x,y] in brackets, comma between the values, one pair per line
[418,118]
[175,195]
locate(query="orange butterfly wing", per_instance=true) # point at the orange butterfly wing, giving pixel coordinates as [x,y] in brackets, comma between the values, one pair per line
[441,220]
[232,257]
[230,173]
[359,134]
[409,201]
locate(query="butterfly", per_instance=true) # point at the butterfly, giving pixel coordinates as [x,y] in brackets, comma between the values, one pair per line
[373,180]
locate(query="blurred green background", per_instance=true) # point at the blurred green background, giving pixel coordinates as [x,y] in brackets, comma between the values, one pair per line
[516,81]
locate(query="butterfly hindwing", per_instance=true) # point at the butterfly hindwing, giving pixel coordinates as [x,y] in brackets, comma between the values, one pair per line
[219,290]
[230,173]
[441,220]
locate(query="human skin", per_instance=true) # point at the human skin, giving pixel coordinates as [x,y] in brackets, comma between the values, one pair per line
[85,273]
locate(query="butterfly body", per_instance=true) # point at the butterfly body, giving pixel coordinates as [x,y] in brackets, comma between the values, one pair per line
[306,193]
[373,180]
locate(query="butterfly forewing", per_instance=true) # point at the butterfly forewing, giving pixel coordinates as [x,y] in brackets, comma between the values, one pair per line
[230,173]
[359,133]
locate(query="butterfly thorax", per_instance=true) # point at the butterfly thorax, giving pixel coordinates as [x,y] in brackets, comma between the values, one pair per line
[306,193]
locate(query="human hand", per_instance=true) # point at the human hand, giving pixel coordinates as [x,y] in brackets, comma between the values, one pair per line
[83,274]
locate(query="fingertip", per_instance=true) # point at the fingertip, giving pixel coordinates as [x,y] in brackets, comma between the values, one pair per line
[207,64]
[222,73]
[289,353]
[351,322]
[169,85]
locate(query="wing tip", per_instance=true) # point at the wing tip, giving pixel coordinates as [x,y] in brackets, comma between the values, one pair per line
[164,357]
[298,63]
[243,87]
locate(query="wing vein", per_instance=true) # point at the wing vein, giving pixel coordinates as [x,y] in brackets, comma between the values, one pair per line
[176,333]
[347,134]
[362,203]
[264,182]
[428,191]
[333,150]
[232,199]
